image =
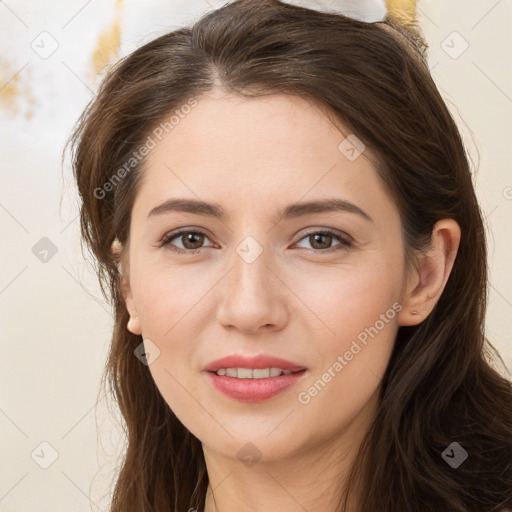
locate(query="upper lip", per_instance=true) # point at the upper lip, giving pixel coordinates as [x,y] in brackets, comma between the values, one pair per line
[255,362]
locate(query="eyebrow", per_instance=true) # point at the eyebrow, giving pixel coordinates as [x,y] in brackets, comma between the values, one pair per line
[289,212]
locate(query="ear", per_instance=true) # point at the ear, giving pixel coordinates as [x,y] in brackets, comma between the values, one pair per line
[427,281]
[134,322]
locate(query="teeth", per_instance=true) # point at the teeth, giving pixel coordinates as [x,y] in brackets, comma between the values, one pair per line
[264,373]
[244,373]
[248,373]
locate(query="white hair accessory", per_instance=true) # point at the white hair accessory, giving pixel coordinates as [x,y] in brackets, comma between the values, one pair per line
[362,10]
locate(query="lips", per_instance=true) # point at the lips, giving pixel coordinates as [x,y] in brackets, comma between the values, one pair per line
[254,389]
[256,362]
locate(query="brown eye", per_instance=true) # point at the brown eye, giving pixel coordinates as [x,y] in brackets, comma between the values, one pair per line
[190,241]
[321,241]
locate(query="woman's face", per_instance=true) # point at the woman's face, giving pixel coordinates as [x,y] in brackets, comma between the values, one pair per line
[264,283]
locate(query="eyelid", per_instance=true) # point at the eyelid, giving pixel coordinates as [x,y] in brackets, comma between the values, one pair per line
[329,231]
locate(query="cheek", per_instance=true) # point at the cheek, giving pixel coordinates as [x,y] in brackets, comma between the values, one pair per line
[349,299]
[354,328]
[171,307]
[171,301]
[174,305]
[359,314]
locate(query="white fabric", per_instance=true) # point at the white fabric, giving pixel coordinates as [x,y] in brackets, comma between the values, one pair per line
[362,10]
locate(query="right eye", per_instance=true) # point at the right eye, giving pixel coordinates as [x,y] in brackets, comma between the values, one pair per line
[191,241]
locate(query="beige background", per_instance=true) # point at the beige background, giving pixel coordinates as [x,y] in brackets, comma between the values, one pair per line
[56,327]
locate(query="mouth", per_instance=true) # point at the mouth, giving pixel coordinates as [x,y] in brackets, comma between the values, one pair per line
[253,378]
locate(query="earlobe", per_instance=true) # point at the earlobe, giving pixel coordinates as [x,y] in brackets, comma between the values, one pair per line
[431,274]
[134,323]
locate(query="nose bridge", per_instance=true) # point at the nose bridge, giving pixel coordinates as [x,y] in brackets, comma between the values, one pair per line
[253,295]
[252,277]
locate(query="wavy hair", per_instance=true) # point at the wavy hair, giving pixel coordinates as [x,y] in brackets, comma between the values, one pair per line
[440,385]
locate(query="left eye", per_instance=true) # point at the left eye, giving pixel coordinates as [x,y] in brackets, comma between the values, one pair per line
[192,241]
[323,238]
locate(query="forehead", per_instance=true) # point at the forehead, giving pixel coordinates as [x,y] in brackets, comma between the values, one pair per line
[241,127]
[278,147]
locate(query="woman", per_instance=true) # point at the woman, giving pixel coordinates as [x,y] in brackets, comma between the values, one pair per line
[282,210]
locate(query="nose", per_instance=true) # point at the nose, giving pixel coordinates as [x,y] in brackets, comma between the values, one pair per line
[253,295]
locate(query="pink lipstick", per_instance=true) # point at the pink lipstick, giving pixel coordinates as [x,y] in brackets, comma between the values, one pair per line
[253,379]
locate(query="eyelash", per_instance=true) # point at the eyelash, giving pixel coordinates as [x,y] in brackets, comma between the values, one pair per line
[345,241]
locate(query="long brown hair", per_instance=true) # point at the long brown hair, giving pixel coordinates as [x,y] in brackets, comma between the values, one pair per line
[440,386]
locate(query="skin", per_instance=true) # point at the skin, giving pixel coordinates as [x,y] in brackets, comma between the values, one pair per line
[296,300]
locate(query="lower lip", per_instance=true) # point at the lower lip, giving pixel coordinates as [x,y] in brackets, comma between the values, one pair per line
[254,390]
